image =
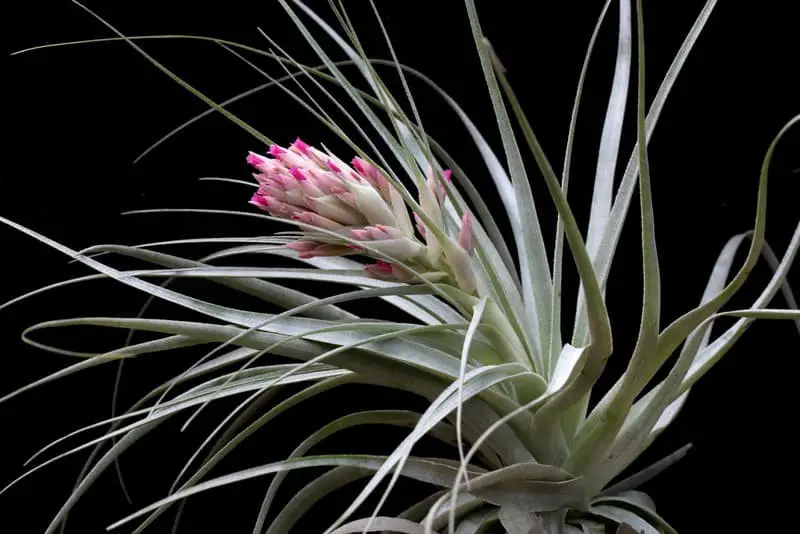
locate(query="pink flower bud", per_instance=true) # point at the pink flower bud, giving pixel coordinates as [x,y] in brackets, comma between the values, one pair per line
[376,233]
[420,225]
[302,246]
[430,205]
[292,196]
[260,201]
[370,173]
[302,183]
[383,270]
[274,178]
[314,157]
[461,265]
[360,234]
[274,192]
[327,182]
[264,179]
[265,165]
[465,236]
[275,207]
[301,147]
[318,190]
[380,266]
[399,249]
[389,232]
[365,169]
[312,249]
[347,198]
[437,189]
[371,205]
[290,159]
[255,160]
[360,166]
[298,174]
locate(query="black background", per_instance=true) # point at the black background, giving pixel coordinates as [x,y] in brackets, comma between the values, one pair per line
[74,119]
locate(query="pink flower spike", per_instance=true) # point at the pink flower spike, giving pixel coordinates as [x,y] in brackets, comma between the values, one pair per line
[332,166]
[301,147]
[465,236]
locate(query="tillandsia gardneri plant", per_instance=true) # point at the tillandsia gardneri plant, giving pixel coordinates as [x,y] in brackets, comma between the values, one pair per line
[485,345]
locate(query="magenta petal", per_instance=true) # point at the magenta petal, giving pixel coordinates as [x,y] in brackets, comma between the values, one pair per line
[298,174]
[255,160]
[358,165]
[252,159]
[276,151]
[260,201]
[301,146]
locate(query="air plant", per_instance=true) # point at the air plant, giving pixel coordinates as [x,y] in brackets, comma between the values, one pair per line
[508,391]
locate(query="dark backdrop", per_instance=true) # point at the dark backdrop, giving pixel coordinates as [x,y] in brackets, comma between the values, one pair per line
[75,118]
